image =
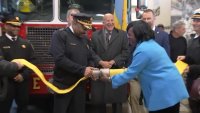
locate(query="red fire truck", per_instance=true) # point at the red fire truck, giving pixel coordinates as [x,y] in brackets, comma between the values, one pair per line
[41,18]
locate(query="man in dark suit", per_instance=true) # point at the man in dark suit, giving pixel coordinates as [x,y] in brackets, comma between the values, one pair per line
[14,47]
[161,37]
[111,47]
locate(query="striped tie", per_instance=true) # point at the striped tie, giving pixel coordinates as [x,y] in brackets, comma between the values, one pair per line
[108,35]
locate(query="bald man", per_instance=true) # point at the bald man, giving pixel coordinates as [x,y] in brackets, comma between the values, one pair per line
[111,46]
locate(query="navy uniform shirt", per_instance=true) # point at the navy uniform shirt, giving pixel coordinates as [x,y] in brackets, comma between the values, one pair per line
[19,49]
[71,55]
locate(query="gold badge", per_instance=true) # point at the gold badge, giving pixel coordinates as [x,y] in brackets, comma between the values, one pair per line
[23,46]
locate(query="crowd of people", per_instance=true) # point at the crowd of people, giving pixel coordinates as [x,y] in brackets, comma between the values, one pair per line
[147,52]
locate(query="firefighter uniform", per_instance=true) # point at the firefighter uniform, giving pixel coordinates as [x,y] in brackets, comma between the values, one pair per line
[16,49]
[72,54]
[6,67]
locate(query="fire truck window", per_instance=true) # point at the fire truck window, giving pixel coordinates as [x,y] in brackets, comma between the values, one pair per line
[28,10]
[94,7]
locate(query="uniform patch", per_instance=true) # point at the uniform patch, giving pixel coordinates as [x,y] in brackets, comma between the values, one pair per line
[73,44]
[6,47]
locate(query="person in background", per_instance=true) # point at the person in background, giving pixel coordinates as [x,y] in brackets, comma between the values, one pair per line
[71,10]
[193,60]
[161,83]
[112,51]
[161,37]
[72,55]
[135,89]
[14,47]
[178,43]
[161,27]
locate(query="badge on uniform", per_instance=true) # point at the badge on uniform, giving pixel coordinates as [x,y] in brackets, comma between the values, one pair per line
[23,46]
[6,47]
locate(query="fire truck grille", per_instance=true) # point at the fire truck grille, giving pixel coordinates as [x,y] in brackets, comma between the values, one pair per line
[40,39]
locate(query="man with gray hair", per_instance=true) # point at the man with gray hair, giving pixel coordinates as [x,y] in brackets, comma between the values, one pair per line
[72,10]
[178,43]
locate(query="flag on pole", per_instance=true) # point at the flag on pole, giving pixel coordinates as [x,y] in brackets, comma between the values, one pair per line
[120,14]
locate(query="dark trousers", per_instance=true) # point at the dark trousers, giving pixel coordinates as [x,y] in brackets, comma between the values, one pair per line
[72,102]
[19,92]
[172,109]
[101,108]
[194,105]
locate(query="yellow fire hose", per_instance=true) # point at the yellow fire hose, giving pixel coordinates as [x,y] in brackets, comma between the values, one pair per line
[181,66]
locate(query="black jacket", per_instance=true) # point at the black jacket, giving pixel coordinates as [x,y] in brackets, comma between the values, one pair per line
[7,68]
[20,49]
[71,54]
[193,59]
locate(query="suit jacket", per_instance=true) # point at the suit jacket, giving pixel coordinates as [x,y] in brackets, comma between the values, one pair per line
[116,50]
[162,38]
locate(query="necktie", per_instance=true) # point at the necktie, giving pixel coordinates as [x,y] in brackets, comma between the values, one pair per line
[108,35]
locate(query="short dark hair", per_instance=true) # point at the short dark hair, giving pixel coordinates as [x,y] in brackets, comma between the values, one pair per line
[129,26]
[160,26]
[149,10]
[141,30]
